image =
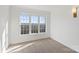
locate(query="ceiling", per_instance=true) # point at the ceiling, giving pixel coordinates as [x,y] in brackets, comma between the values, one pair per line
[45,7]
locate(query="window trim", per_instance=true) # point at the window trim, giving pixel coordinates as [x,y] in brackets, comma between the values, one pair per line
[38,25]
[45,24]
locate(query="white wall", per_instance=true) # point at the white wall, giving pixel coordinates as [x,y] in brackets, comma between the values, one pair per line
[4,10]
[65,28]
[14,27]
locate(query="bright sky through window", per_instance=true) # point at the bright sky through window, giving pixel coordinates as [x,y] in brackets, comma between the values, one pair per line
[34,19]
[24,19]
[42,19]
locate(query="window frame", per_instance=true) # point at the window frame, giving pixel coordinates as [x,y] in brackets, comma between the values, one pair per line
[21,25]
[45,24]
[38,25]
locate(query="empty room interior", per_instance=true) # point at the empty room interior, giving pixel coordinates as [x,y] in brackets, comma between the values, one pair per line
[39,29]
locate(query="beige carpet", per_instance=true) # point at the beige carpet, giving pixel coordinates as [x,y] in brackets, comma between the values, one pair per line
[41,46]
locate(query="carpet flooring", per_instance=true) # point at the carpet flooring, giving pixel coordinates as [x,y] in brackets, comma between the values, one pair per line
[40,46]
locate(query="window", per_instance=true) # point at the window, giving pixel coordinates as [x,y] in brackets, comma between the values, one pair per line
[42,23]
[34,24]
[24,20]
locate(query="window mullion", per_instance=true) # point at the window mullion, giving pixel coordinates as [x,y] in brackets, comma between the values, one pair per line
[45,23]
[38,24]
[23,29]
[29,24]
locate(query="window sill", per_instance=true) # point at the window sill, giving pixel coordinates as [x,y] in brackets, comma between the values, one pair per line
[34,34]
